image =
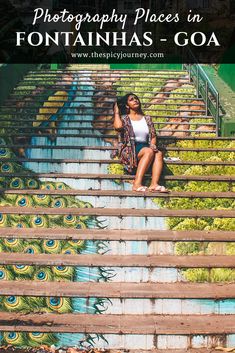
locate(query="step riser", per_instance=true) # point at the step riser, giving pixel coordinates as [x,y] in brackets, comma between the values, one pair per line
[84,154]
[86,184]
[164,342]
[66,153]
[135,247]
[150,247]
[129,222]
[143,274]
[90,69]
[153,248]
[164,306]
[91,140]
[11,119]
[119,202]
[119,86]
[85,168]
[71,141]
[73,153]
[159,248]
[135,274]
[82,74]
[67,167]
[171,306]
[77,127]
[103,184]
[149,223]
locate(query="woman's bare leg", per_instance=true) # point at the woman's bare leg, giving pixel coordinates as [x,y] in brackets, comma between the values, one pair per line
[145,157]
[156,169]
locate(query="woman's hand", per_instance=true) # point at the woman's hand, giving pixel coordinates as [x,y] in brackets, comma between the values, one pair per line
[153,147]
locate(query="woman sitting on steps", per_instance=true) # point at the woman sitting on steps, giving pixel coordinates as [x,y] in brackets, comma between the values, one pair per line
[138,149]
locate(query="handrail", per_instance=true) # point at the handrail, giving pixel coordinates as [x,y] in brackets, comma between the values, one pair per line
[205,89]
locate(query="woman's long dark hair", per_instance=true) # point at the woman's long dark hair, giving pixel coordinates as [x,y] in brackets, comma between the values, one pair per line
[122,102]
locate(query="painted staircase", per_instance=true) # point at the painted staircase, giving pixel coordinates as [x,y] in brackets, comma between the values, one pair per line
[168,259]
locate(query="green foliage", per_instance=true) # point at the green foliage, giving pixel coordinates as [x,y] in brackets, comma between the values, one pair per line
[188,248]
[213,275]
[197,274]
[116,169]
[203,223]
[222,275]
[230,249]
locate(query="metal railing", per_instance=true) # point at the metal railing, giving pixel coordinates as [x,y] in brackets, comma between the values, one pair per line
[206,90]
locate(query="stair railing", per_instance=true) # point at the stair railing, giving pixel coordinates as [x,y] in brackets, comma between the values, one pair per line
[205,89]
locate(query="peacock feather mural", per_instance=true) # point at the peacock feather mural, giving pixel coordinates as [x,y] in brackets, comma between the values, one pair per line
[48,117]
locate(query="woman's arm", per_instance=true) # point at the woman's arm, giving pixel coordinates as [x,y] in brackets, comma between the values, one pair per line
[153,141]
[117,122]
[153,137]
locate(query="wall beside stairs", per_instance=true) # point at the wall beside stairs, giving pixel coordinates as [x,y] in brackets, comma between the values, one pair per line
[10,75]
[207,158]
[227,73]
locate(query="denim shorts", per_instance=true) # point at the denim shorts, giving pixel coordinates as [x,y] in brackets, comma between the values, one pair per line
[140,145]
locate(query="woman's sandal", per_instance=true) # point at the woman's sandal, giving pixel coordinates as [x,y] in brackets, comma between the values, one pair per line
[140,189]
[159,188]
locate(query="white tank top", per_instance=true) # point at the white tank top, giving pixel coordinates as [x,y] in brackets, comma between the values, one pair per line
[141,130]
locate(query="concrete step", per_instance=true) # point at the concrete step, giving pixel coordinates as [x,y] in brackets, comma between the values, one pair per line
[97,84]
[119,290]
[118,243]
[118,198]
[116,324]
[100,110]
[141,261]
[69,132]
[86,92]
[75,127]
[120,178]
[112,194]
[110,161]
[117,235]
[110,149]
[77,116]
[105,105]
[46,165]
[108,99]
[94,69]
[112,183]
[106,73]
[81,126]
[126,218]
[83,138]
[80,74]
[117,212]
